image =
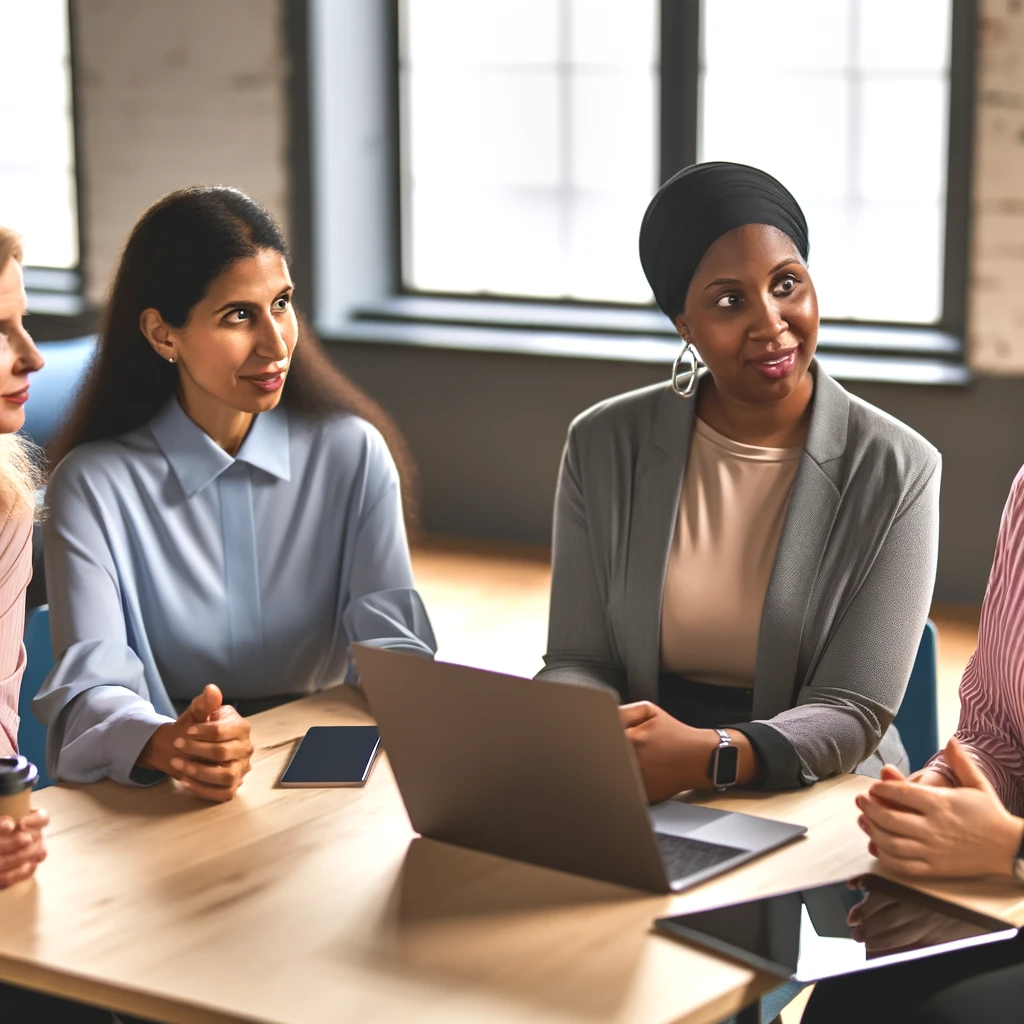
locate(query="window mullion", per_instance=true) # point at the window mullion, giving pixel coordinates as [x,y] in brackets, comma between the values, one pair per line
[679,61]
[960,144]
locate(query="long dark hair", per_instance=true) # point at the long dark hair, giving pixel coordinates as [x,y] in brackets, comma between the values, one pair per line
[181,244]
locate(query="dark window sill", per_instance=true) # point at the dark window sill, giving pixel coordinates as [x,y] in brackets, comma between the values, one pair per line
[853,352]
[55,304]
[55,301]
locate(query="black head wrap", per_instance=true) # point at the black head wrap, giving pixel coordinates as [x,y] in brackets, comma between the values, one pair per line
[694,208]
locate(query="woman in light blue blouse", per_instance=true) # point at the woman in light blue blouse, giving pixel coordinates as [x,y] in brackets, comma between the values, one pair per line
[224,519]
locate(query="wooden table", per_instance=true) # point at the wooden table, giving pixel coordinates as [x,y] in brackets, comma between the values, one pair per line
[322,905]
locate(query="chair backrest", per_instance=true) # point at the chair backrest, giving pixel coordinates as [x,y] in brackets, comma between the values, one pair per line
[31,732]
[55,387]
[52,393]
[918,716]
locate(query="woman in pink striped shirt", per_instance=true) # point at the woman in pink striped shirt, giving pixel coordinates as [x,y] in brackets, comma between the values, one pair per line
[21,842]
[961,816]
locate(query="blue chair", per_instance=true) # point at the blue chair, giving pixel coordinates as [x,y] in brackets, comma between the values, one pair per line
[52,393]
[31,734]
[54,388]
[918,716]
[918,723]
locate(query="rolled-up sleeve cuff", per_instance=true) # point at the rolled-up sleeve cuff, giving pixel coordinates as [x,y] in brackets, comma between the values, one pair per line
[780,764]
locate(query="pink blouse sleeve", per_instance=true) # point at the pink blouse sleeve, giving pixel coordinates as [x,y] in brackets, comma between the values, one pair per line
[992,690]
[15,573]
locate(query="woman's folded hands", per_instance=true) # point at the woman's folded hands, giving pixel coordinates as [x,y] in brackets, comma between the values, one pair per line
[923,826]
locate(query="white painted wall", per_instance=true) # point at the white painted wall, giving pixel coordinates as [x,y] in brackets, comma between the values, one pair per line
[174,93]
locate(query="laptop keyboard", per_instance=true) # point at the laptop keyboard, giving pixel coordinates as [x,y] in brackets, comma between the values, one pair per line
[683,857]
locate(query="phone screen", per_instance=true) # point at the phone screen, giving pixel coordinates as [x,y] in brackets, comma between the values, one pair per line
[333,755]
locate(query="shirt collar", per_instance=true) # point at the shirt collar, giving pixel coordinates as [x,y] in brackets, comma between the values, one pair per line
[196,458]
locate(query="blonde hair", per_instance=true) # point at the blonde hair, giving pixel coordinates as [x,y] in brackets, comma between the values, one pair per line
[20,475]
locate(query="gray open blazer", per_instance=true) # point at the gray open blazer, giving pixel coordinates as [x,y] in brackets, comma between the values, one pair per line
[848,595]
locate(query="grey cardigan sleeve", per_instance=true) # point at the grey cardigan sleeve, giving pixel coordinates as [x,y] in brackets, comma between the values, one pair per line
[858,681]
[580,647]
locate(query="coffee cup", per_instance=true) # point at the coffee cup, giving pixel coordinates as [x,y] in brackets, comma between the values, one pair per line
[17,777]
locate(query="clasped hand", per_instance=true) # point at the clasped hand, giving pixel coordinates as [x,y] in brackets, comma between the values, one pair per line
[22,848]
[672,756]
[208,749]
[922,827]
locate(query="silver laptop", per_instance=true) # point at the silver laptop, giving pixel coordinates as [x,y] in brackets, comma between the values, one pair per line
[542,772]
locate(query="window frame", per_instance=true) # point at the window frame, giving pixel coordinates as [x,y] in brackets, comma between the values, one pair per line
[851,349]
[680,104]
[679,97]
[56,295]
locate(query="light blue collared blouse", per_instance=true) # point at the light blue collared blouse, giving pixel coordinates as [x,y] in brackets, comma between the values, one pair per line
[170,565]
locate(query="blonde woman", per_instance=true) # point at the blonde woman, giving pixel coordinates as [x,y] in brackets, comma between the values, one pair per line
[21,843]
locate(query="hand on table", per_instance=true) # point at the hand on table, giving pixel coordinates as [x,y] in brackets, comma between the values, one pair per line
[208,749]
[927,830]
[22,848]
[674,756]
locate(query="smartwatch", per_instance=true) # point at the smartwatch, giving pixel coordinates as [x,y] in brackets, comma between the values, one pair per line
[723,768]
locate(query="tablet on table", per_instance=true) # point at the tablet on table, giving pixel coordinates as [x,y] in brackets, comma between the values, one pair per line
[808,935]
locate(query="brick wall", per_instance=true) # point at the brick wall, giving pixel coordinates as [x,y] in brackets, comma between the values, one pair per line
[997,267]
[173,93]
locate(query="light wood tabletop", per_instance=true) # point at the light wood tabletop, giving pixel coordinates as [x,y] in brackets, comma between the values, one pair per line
[322,905]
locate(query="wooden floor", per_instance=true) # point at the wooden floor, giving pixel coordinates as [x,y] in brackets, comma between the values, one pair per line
[489,607]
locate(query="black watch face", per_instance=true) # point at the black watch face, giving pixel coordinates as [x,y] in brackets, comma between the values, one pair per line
[726,766]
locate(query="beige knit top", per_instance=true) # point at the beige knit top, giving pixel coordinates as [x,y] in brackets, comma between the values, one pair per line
[731,511]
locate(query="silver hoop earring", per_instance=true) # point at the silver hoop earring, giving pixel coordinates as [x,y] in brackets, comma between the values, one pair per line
[688,377]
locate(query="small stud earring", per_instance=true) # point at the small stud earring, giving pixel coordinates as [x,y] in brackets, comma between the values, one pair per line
[172,359]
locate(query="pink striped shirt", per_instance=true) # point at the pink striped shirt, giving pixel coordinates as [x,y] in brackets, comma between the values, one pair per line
[992,690]
[15,573]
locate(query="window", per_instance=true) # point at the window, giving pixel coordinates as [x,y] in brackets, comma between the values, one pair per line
[530,146]
[854,122]
[532,136]
[37,171]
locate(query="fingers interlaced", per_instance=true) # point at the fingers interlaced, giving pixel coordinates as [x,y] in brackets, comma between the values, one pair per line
[216,753]
[214,774]
[896,822]
[905,796]
[220,730]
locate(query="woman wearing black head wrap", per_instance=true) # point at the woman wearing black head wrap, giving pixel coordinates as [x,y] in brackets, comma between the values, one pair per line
[747,546]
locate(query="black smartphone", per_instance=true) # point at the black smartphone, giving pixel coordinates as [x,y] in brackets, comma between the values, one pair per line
[333,755]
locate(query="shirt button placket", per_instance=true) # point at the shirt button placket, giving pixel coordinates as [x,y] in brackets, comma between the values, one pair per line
[241,581]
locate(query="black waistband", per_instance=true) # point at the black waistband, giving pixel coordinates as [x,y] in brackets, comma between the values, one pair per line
[703,705]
